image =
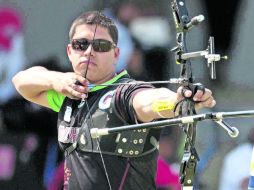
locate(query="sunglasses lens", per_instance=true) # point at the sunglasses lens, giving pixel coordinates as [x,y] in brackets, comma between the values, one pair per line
[80,44]
[102,45]
[99,45]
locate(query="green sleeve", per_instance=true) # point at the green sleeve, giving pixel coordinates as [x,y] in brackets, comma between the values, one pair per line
[55,100]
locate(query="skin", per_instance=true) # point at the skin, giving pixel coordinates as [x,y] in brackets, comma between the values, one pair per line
[102,64]
[34,83]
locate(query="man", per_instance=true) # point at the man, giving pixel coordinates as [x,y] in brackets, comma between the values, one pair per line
[118,161]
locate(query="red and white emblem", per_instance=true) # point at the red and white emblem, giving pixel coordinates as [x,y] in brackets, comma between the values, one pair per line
[105,100]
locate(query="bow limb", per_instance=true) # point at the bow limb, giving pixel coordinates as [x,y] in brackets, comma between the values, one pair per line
[186,106]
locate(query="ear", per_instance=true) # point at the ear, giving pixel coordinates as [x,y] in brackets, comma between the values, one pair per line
[68,50]
[116,53]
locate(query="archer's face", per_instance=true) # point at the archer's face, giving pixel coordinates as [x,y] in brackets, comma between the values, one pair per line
[101,66]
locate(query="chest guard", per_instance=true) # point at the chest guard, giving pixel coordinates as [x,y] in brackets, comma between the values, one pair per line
[75,121]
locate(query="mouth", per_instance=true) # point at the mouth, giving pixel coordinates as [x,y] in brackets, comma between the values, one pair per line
[86,62]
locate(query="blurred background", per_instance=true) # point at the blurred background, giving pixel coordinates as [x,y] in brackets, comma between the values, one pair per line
[36,33]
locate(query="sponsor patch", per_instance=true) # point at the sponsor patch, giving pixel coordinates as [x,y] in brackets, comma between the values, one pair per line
[67,134]
[105,100]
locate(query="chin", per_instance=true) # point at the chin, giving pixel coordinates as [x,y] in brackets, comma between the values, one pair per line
[79,72]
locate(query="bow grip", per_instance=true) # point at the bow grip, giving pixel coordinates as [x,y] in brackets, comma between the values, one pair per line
[193,87]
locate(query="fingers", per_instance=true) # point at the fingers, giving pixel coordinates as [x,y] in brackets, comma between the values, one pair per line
[74,86]
[183,92]
[72,93]
[82,80]
[208,103]
[202,95]
[79,88]
[202,98]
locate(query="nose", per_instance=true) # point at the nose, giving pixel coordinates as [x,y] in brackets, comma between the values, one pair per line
[89,51]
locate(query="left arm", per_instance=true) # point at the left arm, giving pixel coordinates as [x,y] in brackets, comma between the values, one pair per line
[150,104]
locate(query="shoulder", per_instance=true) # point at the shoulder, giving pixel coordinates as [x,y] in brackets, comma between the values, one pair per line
[55,100]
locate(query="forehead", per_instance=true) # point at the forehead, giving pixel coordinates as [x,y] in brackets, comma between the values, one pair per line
[87,31]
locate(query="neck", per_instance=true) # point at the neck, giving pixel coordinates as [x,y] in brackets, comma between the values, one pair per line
[107,78]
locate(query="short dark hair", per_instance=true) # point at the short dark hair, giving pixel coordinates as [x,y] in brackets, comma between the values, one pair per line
[98,18]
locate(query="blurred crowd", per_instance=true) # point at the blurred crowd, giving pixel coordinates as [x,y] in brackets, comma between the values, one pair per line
[27,131]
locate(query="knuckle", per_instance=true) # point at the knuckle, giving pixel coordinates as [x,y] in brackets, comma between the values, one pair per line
[63,90]
[73,86]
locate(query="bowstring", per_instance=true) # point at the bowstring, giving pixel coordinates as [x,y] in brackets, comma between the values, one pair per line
[84,101]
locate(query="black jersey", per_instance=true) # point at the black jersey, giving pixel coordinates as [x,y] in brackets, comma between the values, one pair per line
[108,162]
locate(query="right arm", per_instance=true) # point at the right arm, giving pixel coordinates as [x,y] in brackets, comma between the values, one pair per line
[34,83]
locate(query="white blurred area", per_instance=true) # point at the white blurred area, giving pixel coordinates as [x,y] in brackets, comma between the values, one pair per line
[151,31]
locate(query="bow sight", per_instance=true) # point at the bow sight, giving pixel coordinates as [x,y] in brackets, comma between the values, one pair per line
[183,24]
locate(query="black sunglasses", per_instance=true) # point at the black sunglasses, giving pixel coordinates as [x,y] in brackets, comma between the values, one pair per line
[99,45]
